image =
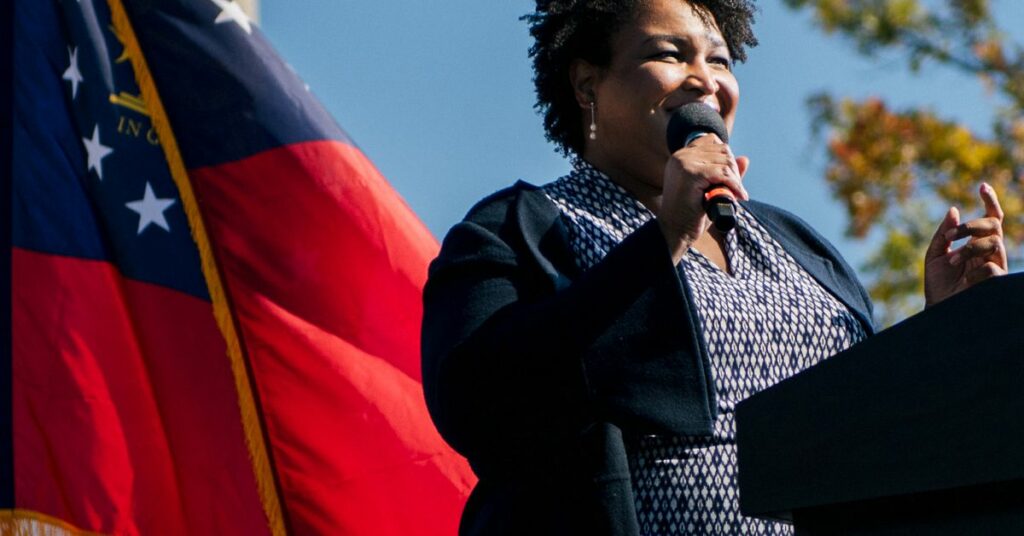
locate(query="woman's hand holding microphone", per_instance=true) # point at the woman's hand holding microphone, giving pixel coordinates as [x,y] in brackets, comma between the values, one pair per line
[700,161]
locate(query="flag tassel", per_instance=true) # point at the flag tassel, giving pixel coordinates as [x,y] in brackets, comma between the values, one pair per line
[252,427]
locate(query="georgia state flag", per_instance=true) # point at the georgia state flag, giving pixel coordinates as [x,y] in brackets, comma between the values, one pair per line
[215,296]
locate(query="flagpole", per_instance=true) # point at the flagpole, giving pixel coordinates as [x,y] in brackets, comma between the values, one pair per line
[6,185]
[252,426]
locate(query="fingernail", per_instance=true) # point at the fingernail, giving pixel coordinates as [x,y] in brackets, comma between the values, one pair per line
[955,259]
[985,188]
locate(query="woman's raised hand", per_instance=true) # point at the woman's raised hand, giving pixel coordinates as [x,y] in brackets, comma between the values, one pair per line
[947,271]
[688,173]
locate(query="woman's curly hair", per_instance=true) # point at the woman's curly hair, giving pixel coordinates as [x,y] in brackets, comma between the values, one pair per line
[565,30]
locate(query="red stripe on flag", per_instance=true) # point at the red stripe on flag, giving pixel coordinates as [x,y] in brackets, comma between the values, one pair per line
[125,414]
[324,266]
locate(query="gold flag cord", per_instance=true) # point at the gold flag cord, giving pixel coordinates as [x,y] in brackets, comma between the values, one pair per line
[250,418]
[19,522]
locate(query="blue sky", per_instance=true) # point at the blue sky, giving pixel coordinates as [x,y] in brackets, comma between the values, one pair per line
[439,95]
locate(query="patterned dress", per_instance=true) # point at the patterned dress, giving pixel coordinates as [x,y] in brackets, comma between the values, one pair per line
[763,322]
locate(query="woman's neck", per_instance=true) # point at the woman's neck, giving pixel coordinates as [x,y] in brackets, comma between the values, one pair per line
[648,194]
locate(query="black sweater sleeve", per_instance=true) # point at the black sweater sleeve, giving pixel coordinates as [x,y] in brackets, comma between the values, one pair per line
[516,367]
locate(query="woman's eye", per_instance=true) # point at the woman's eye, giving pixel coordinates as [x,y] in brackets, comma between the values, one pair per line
[667,55]
[721,60]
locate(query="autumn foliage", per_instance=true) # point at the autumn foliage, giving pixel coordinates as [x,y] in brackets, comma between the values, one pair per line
[897,171]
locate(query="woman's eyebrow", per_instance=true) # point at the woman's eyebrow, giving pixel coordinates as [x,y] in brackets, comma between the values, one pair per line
[667,37]
[712,39]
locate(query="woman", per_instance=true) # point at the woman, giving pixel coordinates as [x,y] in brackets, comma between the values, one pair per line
[585,342]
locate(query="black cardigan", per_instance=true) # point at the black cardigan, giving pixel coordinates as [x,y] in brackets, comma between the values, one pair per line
[534,369]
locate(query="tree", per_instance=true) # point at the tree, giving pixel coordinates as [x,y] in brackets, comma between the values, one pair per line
[897,171]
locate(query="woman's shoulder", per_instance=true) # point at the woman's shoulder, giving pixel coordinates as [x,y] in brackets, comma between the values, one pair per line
[498,202]
[519,200]
[505,226]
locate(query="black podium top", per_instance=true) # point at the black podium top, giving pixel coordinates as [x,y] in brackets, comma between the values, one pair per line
[933,403]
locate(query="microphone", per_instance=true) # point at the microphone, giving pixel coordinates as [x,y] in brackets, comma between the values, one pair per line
[688,123]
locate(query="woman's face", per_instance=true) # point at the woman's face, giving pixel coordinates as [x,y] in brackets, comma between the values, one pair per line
[665,58]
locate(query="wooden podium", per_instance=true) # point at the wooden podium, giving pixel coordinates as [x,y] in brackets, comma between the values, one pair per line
[917,430]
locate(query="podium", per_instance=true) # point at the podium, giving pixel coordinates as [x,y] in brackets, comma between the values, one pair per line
[917,430]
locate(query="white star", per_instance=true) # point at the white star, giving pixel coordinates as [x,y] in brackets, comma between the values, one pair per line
[73,75]
[151,209]
[232,12]
[97,152]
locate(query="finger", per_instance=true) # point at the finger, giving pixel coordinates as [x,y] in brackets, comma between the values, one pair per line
[940,244]
[706,153]
[734,162]
[743,163]
[707,150]
[710,164]
[989,247]
[978,228]
[991,200]
[718,154]
[716,177]
[734,165]
[699,160]
[983,272]
[728,175]
[707,139]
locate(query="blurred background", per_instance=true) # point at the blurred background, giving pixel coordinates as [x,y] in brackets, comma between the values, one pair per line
[439,95]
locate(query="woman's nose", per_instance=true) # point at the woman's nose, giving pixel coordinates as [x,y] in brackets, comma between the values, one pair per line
[700,77]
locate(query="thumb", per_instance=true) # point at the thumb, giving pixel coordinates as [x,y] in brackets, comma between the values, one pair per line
[743,163]
[939,245]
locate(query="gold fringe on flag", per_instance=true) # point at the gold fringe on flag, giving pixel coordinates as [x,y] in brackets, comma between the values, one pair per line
[28,523]
[222,311]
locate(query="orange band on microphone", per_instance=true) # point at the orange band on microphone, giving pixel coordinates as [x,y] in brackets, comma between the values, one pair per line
[718,191]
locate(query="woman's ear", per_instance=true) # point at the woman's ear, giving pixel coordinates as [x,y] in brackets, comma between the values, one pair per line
[583,76]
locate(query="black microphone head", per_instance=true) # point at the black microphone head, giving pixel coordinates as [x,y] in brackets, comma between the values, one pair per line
[691,119]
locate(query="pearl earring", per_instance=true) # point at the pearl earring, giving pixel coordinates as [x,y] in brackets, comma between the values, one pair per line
[593,122]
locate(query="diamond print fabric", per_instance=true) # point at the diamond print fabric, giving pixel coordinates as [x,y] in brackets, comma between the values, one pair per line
[764,322]
[602,212]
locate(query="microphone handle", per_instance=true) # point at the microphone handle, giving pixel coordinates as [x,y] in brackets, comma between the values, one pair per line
[719,204]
